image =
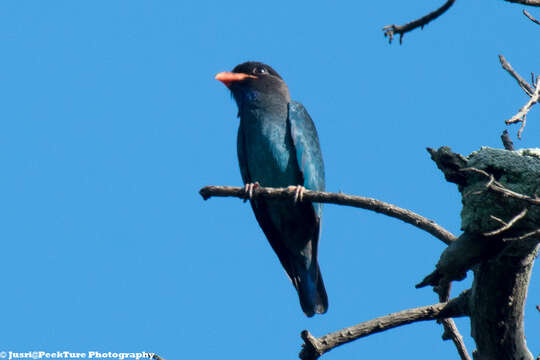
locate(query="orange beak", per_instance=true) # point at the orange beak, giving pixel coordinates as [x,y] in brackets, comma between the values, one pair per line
[229,77]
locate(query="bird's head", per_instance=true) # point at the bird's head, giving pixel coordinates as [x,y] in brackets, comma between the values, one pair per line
[255,84]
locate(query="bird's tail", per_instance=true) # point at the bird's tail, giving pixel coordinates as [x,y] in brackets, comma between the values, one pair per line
[311,291]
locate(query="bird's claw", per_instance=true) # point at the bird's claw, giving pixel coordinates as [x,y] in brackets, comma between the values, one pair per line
[248,189]
[298,192]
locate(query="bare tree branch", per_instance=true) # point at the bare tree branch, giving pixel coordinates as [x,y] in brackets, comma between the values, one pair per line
[508,225]
[522,127]
[336,198]
[533,91]
[525,236]
[529,90]
[451,332]
[313,347]
[526,13]
[526,2]
[497,187]
[521,116]
[391,30]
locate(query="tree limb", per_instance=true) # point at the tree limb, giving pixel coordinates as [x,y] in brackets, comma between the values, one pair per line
[497,187]
[525,236]
[313,347]
[336,198]
[529,90]
[521,116]
[507,225]
[526,2]
[533,91]
[390,30]
[526,13]
[451,331]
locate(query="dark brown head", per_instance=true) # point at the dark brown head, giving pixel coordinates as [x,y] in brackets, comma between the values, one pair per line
[255,84]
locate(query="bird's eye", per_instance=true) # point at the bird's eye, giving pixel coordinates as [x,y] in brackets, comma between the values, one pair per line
[260,71]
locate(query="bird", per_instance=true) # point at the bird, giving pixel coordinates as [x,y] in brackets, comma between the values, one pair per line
[278,146]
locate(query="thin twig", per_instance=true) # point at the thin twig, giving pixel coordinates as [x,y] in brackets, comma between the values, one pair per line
[340,199]
[526,13]
[314,347]
[523,237]
[529,90]
[508,225]
[451,331]
[486,187]
[526,2]
[521,116]
[532,91]
[498,187]
[523,123]
[500,221]
[391,30]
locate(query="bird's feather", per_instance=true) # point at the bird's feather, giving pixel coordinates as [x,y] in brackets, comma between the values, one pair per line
[307,149]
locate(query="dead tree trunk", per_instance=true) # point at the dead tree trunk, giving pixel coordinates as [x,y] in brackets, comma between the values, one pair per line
[501,223]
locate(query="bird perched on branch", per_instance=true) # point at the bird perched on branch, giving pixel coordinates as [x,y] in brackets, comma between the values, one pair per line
[278,146]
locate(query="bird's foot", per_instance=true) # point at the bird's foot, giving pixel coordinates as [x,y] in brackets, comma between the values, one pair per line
[248,189]
[298,192]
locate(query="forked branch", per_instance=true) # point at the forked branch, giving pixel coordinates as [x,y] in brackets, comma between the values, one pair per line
[533,91]
[451,331]
[314,347]
[499,188]
[521,116]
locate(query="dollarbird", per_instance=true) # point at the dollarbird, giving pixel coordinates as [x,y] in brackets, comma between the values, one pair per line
[278,146]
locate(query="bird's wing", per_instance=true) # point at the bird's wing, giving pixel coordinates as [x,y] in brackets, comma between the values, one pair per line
[307,148]
[263,215]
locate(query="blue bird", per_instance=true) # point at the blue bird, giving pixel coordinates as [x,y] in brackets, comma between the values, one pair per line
[278,146]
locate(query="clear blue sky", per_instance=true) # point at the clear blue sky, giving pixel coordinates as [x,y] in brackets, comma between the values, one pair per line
[111,122]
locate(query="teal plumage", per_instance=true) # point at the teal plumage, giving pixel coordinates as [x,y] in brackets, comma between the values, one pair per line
[278,146]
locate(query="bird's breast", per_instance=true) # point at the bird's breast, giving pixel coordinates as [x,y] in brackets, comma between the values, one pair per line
[269,151]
